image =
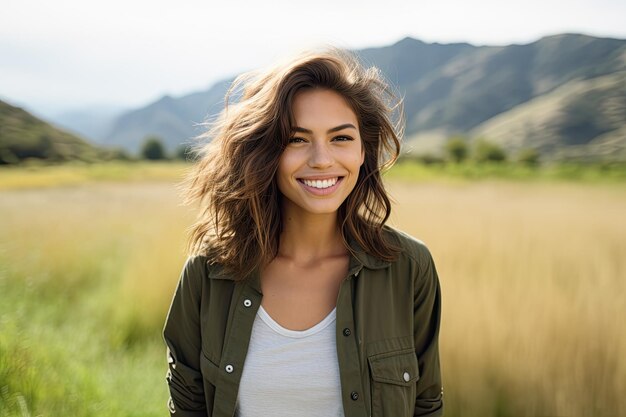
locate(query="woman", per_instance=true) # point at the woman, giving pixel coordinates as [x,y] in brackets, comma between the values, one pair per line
[297,299]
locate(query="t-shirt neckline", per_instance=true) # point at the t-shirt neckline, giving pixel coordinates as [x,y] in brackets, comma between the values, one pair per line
[297,333]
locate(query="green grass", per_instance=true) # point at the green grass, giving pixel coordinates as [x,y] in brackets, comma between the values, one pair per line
[69,174]
[470,171]
[86,277]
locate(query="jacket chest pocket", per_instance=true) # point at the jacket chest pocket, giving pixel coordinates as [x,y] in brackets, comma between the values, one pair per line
[394,375]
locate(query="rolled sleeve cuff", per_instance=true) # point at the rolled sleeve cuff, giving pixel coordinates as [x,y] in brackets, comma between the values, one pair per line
[183,413]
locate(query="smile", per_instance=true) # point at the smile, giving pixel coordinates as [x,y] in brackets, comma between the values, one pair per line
[321,183]
[321,187]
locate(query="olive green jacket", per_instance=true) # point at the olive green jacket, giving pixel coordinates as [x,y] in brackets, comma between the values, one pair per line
[387,329]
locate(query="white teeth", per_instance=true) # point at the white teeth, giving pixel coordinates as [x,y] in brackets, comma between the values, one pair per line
[321,183]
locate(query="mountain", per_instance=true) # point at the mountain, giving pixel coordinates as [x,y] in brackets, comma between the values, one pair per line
[459,88]
[175,120]
[23,136]
[484,82]
[586,115]
[93,122]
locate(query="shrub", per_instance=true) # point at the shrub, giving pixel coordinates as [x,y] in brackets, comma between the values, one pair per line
[456,149]
[485,151]
[153,149]
[528,156]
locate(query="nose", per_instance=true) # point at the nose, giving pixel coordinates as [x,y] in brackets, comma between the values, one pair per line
[320,155]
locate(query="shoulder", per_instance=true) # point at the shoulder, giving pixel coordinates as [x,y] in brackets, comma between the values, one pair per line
[196,259]
[201,269]
[415,260]
[196,264]
[410,246]
[195,271]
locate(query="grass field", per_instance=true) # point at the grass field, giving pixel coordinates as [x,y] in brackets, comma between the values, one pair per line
[37,175]
[532,275]
[46,176]
[533,287]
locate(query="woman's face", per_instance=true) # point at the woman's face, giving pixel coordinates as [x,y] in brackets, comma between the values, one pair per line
[320,165]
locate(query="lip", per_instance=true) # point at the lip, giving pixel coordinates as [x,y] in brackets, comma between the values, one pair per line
[320,177]
[321,191]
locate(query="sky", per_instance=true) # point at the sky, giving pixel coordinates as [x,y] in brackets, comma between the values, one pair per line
[63,55]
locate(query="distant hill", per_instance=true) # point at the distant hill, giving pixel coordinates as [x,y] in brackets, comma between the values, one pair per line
[582,119]
[460,88]
[23,136]
[175,120]
[481,83]
[93,122]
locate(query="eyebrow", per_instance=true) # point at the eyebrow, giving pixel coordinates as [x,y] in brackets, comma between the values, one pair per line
[331,130]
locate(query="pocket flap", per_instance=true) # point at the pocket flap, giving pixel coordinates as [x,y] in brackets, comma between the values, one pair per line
[209,370]
[399,367]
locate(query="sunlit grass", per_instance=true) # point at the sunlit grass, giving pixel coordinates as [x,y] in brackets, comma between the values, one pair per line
[531,276]
[86,276]
[46,176]
[470,171]
[532,280]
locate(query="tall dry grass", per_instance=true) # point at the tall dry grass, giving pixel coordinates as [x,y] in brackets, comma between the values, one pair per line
[86,277]
[532,278]
[534,294]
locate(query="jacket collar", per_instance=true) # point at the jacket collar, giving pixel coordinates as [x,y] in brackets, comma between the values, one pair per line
[358,259]
[363,258]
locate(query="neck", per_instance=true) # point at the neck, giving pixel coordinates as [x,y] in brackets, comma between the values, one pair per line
[309,237]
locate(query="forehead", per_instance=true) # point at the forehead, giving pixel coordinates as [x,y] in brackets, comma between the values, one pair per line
[321,107]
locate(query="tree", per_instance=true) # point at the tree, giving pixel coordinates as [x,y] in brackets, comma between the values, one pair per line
[153,149]
[528,156]
[485,151]
[456,149]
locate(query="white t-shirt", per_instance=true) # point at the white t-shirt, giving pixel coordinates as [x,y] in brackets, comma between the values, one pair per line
[290,373]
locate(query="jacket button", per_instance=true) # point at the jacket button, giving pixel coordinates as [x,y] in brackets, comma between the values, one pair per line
[247,302]
[354,395]
[346,332]
[229,368]
[406,376]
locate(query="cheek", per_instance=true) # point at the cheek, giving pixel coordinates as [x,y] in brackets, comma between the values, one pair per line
[284,173]
[354,157]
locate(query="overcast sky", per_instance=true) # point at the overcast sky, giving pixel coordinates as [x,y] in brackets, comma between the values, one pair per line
[60,55]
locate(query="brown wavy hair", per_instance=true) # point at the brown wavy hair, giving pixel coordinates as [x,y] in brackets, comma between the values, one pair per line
[233,178]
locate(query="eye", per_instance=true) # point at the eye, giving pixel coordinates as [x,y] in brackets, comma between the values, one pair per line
[343,138]
[296,140]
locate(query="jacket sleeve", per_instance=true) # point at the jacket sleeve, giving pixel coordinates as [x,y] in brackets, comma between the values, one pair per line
[427,320]
[181,334]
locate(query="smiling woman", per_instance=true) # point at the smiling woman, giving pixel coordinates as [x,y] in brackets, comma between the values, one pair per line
[296,298]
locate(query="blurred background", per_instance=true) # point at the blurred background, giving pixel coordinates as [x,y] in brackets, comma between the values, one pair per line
[513,173]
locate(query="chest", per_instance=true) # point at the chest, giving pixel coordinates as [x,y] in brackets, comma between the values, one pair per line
[373,337]
[298,298]
[290,372]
